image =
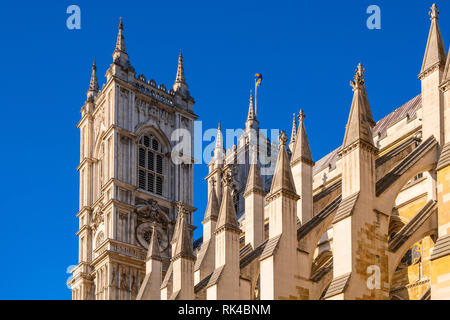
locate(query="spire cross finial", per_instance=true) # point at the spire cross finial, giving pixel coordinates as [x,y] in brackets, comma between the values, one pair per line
[282,139]
[358,79]
[301,115]
[434,13]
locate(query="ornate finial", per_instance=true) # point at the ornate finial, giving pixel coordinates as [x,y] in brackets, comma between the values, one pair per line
[282,139]
[120,42]
[251,111]
[434,13]
[219,127]
[358,79]
[294,129]
[180,85]
[180,71]
[301,115]
[93,84]
[227,179]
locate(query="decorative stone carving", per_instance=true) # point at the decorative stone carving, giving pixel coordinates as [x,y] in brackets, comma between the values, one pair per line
[144,234]
[151,210]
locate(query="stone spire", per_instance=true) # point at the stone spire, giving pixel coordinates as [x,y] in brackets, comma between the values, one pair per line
[358,126]
[251,108]
[282,177]
[251,122]
[181,214]
[227,214]
[254,180]
[180,81]
[120,55]
[120,43]
[293,133]
[93,84]
[183,246]
[150,287]
[435,51]
[254,206]
[153,247]
[302,151]
[224,281]
[219,149]
[212,208]
[182,262]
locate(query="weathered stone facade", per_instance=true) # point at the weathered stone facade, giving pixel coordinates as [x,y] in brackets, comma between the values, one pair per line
[371,220]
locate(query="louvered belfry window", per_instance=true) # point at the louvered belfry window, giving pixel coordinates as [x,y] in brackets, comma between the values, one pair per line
[150,165]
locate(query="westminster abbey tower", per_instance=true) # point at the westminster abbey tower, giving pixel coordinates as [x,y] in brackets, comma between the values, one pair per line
[130,188]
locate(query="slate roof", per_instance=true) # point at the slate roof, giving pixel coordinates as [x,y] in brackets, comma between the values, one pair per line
[270,247]
[442,247]
[444,158]
[215,276]
[346,207]
[338,285]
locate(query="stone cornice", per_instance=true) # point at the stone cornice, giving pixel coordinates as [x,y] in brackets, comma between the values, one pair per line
[434,67]
[84,161]
[282,192]
[359,143]
[160,104]
[445,86]
[83,118]
[302,160]
[217,170]
[86,209]
[228,227]
[110,246]
[209,218]
[82,229]
[255,191]
[184,256]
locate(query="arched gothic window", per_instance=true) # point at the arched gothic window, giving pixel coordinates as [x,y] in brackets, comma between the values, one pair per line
[150,165]
[100,239]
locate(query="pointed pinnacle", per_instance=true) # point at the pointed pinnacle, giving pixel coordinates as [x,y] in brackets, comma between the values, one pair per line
[120,43]
[294,129]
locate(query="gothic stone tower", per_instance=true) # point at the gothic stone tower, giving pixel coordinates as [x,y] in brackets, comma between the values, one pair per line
[130,187]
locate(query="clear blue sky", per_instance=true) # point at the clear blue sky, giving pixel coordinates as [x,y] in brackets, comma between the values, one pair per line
[306,50]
